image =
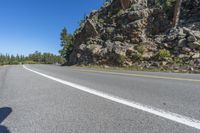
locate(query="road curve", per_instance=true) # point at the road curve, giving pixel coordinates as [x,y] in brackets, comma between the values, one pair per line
[33,103]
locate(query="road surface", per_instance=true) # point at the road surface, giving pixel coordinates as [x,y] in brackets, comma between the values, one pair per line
[54,99]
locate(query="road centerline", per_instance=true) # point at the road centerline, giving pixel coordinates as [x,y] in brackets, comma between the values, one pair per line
[155,111]
[142,75]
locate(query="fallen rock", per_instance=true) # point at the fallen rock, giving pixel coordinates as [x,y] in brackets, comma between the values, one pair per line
[197,62]
[191,38]
[194,45]
[197,34]
[196,56]
[119,51]
[164,63]
[118,38]
[82,47]
[155,64]
[181,56]
[186,49]
[147,55]
[186,30]
[182,42]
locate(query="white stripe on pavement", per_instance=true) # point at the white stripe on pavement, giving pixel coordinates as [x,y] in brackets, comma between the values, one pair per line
[158,112]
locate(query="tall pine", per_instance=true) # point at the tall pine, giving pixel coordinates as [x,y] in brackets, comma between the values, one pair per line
[66,44]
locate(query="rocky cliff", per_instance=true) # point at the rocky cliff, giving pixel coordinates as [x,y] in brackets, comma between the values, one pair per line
[139,33]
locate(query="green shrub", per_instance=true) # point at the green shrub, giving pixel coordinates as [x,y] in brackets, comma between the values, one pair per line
[163,54]
[121,59]
[140,49]
[137,57]
[117,60]
[29,62]
[168,6]
[14,63]
[110,30]
[114,12]
[178,60]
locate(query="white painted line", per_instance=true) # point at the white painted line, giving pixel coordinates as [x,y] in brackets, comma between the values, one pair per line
[158,112]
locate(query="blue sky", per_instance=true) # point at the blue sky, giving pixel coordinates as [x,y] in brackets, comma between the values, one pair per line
[30,25]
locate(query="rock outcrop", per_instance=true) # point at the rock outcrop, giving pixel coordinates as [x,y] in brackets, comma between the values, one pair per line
[138,32]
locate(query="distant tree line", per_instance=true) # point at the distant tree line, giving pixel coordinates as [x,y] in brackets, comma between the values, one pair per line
[34,58]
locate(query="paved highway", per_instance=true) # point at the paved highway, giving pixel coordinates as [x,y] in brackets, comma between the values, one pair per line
[54,99]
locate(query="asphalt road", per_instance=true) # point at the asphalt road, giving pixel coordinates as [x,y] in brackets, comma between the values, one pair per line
[49,99]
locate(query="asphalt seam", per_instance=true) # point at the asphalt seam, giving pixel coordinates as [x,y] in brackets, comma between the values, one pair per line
[155,111]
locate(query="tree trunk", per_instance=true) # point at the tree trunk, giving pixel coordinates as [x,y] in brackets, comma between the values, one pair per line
[177,13]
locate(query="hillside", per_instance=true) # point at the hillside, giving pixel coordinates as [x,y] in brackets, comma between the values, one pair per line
[139,33]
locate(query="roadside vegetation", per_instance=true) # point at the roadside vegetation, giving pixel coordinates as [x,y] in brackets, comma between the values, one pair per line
[34,58]
[132,68]
[67,42]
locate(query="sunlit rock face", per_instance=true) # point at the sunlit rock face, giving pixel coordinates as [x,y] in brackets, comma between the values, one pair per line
[128,32]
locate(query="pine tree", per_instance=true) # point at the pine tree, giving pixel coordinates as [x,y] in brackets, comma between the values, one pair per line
[66,44]
[177,12]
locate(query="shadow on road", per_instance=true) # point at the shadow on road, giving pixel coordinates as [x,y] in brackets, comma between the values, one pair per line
[4,113]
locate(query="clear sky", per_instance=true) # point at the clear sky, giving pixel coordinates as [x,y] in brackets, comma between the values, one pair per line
[30,25]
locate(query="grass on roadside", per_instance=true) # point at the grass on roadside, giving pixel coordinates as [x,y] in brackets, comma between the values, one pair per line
[132,68]
[137,68]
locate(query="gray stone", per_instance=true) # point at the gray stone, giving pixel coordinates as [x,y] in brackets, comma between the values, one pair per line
[82,47]
[119,51]
[181,33]
[197,34]
[196,56]
[118,38]
[183,56]
[182,42]
[118,43]
[94,49]
[166,45]
[186,49]
[147,55]
[191,68]
[191,38]
[164,63]
[197,62]
[186,30]
[194,45]
[109,45]
[155,64]
[103,52]
[78,55]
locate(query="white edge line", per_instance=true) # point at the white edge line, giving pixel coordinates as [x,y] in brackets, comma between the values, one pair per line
[158,112]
